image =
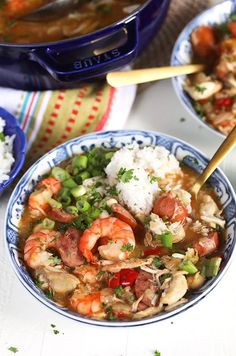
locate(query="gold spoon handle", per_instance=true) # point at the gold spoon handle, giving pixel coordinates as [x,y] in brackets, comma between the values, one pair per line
[137,76]
[218,157]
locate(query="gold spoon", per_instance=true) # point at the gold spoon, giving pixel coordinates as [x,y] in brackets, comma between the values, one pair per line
[137,76]
[218,157]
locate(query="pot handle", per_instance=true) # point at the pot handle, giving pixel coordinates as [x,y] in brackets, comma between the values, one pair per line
[69,63]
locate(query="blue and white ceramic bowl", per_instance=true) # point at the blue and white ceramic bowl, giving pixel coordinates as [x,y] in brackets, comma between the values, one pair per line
[182,51]
[19,146]
[183,151]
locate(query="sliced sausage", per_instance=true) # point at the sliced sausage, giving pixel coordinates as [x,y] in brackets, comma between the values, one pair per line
[169,207]
[124,215]
[144,285]
[67,246]
[60,215]
[203,41]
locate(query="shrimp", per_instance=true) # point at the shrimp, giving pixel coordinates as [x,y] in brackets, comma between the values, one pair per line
[35,250]
[39,199]
[117,240]
[91,304]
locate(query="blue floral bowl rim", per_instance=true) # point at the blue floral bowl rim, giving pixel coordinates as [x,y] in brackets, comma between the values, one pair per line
[178,91]
[20,137]
[105,323]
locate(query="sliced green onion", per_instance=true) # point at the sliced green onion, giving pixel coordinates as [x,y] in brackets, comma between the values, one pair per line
[166,239]
[80,162]
[48,224]
[210,267]
[64,196]
[72,209]
[82,205]
[78,179]
[69,183]
[79,191]
[84,175]
[95,213]
[157,262]
[54,203]
[75,171]
[60,173]
[109,155]
[188,266]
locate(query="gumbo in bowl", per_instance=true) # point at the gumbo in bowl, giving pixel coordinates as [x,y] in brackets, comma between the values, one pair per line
[210,39]
[110,232]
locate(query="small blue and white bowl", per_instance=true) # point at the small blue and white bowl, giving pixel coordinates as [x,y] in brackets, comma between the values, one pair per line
[110,139]
[182,52]
[19,146]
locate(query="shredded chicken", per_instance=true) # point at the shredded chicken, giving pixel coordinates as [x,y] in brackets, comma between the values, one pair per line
[148,312]
[201,87]
[173,306]
[175,290]
[199,228]
[131,263]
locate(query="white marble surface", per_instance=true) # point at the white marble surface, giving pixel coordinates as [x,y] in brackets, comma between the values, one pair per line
[207,329]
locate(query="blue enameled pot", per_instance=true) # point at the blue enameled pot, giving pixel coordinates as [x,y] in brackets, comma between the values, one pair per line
[65,63]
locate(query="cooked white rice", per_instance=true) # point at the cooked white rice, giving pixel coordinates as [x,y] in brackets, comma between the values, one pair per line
[6,154]
[139,193]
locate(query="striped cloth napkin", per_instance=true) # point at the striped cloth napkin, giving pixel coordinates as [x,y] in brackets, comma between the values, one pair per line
[50,118]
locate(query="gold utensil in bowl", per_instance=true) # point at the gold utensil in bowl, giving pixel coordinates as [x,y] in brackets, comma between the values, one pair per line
[218,157]
[138,76]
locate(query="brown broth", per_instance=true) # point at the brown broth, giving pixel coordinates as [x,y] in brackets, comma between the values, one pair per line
[89,17]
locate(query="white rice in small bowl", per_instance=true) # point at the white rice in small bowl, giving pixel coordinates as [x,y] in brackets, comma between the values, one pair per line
[6,152]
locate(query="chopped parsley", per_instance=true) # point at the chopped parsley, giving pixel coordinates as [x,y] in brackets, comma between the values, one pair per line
[200,88]
[127,247]
[147,220]
[110,314]
[55,260]
[112,191]
[157,262]
[55,331]
[100,274]
[119,291]
[49,294]
[98,184]
[154,179]
[157,353]
[38,283]
[2,136]
[13,349]
[125,175]
[164,276]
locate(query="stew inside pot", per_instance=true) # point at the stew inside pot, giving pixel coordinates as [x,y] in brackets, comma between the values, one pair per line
[88,17]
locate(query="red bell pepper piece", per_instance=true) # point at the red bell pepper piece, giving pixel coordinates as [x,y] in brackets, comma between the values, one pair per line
[114,280]
[223,103]
[128,277]
[153,251]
